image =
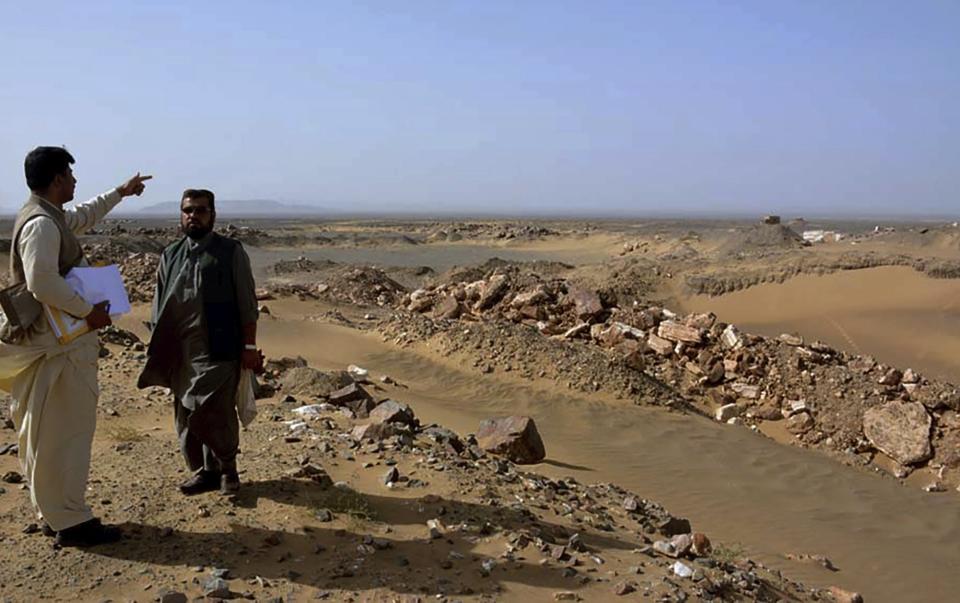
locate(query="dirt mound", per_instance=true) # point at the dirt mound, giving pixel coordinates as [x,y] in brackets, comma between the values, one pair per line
[496,231]
[517,323]
[722,281]
[300,265]
[760,238]
[460,274]
[362,286]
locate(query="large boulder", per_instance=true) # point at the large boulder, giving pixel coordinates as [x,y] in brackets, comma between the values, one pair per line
[586,303]
[674,331]
[355,398]
[391,411]
[493,291]
[307,381]
[901,430]
[515,438]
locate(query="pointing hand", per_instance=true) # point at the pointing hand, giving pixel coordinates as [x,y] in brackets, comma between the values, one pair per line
[133,186]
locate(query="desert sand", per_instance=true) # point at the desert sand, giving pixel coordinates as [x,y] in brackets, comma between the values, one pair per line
[793,501]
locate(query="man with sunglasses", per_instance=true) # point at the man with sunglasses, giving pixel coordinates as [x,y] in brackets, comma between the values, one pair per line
[204,331]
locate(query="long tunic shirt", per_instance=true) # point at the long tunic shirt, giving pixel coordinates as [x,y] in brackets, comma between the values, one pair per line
[55,398]
[198,378]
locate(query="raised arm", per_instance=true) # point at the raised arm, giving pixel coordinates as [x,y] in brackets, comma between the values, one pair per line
[84,216]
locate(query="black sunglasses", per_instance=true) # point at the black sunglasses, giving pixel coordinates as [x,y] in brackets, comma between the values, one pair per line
[190,210]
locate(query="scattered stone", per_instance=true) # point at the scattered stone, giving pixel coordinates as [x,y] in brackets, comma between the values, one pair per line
[727,412]
[373,431]
[435,528]
[901,430]
[173,597]
[681,569]
[514,437]
[844,596]
[309,382]
[731,338]
[355,398]
[659,345]
[701,545]
[800,423]
[624,588]
[392,475]
[891,377]
[587,304]
[671,526]
[791,340]
[392,411]
[12,477]
[216,588]
[665,548]
[676,332]
[357,373]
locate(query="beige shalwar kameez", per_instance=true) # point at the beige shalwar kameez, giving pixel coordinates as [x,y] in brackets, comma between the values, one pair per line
[54,387]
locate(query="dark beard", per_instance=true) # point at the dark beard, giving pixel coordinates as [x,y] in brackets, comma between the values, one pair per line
[197,232]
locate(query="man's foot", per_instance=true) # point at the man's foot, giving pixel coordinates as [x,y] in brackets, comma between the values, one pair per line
[202,481]
[88,533]
[229,483]
[48,531]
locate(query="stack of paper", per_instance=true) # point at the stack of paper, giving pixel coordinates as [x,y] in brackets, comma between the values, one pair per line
[94,284]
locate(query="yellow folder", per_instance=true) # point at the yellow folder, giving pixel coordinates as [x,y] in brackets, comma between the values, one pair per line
[65,327]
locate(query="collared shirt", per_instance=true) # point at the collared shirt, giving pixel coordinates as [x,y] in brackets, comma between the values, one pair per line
[39,246]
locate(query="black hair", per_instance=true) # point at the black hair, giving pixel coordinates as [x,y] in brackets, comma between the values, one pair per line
[43,164]
[199,193]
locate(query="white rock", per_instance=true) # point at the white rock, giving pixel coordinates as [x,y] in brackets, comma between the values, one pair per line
[682,570]
[356,372]
[308,411]
[435,528]
[297,426]
[727,412]
[731,338]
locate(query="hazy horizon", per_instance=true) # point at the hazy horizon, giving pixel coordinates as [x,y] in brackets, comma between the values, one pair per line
[615,109]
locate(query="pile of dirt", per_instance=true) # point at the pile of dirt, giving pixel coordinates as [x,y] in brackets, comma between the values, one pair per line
[300,265]
[362,286]
[842,403]
[760,239]
[496,231]
[727,280]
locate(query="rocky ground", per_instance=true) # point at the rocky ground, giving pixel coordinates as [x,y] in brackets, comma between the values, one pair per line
[347,496]
[848,405]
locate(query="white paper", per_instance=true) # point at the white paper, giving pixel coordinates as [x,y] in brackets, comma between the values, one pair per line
[101,283]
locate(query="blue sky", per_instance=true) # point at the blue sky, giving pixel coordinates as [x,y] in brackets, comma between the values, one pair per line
[841,107]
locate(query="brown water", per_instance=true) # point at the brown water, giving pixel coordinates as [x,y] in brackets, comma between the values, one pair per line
[890,542]
[897,315]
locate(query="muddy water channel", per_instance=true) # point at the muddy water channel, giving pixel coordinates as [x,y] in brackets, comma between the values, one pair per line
[890,542]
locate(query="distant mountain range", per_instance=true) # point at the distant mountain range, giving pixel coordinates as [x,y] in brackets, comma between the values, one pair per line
[228,207]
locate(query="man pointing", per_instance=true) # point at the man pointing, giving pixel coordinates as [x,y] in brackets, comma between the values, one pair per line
[54,404]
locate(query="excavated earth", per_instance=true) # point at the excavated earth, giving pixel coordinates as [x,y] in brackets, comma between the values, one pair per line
[414,511]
